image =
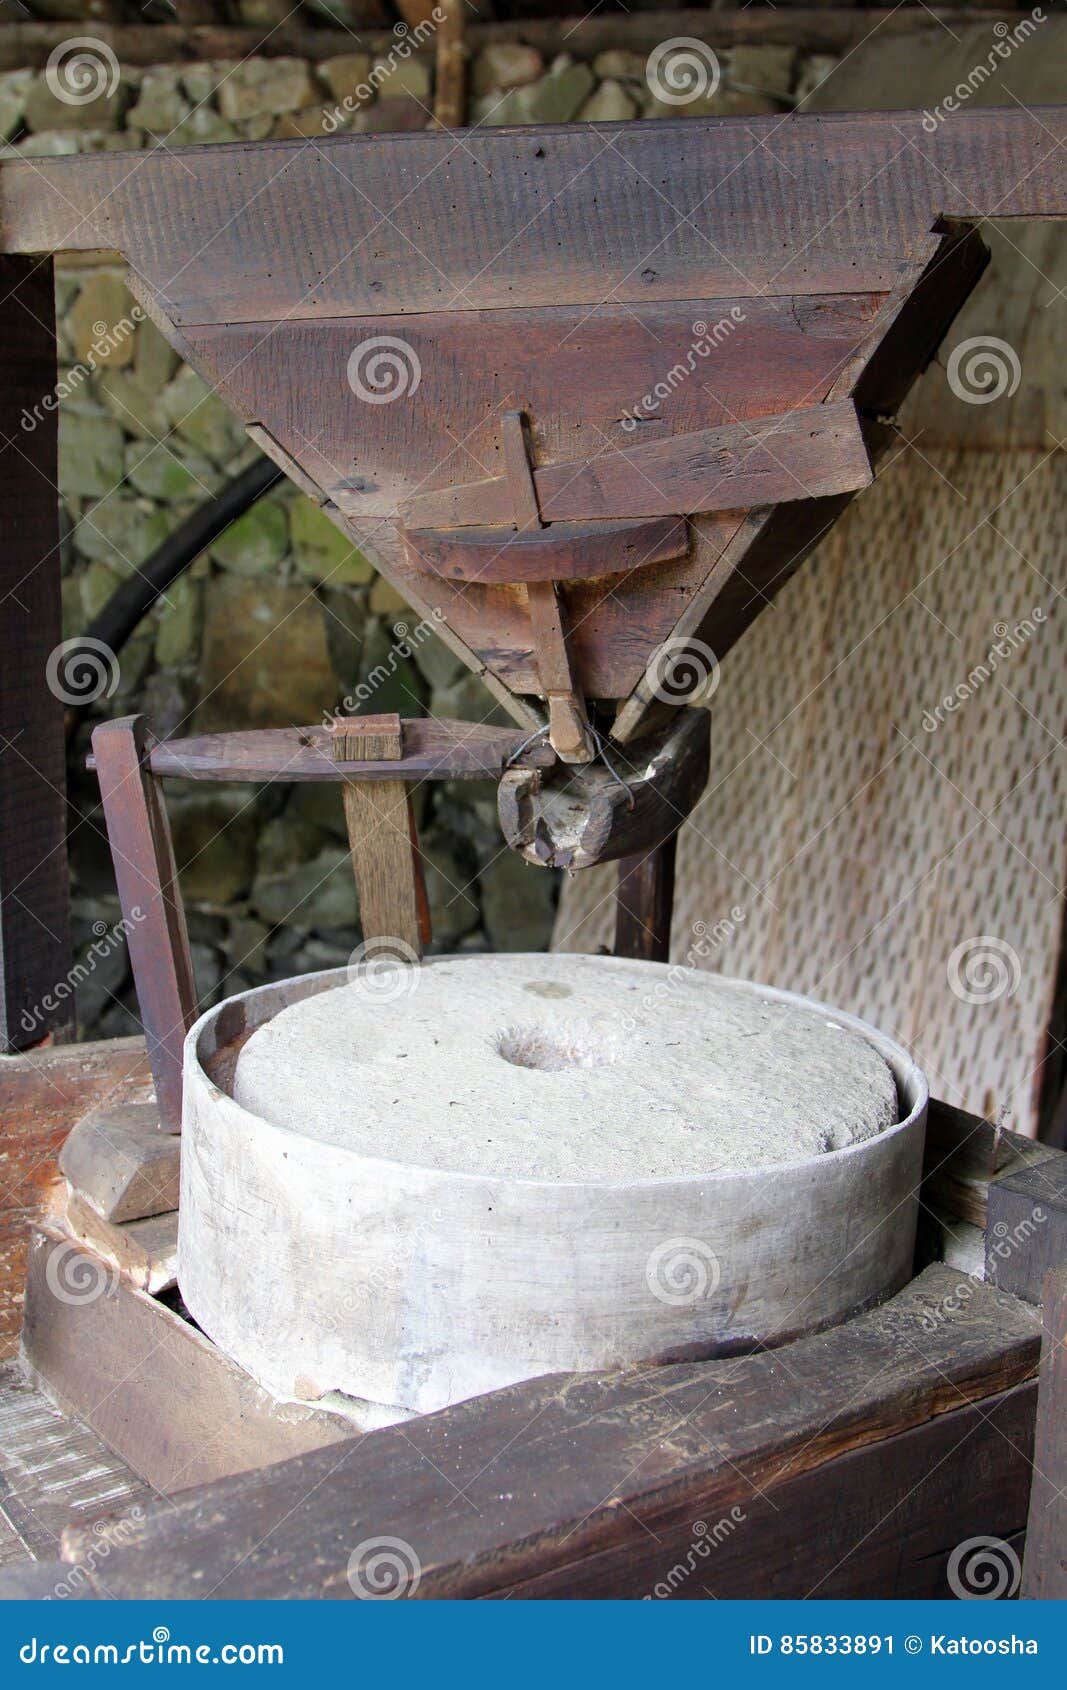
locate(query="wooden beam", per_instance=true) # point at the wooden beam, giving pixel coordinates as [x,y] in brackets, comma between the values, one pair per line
[393,908]
[644,903]
[592,1484]
[1026,1234]
[1045,1566]
[36,996]
[147,879]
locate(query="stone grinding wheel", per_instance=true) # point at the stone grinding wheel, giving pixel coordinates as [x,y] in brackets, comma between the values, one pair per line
[352,1231]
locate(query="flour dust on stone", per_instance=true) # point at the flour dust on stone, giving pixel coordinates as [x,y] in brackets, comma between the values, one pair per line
[568,1068]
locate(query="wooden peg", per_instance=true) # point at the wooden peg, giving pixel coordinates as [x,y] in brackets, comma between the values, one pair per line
[568,724]
[382,836]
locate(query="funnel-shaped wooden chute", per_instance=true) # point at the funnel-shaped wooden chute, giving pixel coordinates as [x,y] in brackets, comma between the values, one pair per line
[585,393]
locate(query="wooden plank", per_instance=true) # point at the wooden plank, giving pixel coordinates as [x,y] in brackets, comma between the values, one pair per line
[203,227]
[118,1159]
[147,881]
[1045,1566]
[554,1470]
[644,902]
[393,908]
[433,750]
[807,454]
[42,1095]
[35,954]
[148,1383]
[832,30]
[563,552]
[1026,1233]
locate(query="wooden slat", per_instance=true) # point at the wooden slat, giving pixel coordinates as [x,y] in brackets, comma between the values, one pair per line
[563,552]
[203,226]
[433,750]
[147,881]
[807,454]
[145,1252]
[35,955]
[185,1414]
[381,838]
[1045,1567]
[558,1471]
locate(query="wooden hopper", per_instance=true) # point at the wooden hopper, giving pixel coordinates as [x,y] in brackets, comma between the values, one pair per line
[587,394]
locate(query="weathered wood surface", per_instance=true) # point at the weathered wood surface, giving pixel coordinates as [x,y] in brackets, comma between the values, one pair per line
[42,1095]
[592,1465]
[570,818]
[185,1414]
[812,453]
[119,1160]
[393,908]
[563,552]
[203,232]
[29,42]
[147,879]
[1045,1566]
[964,1154]
[35,954]
[433,750]
[644,899]
[1026,1232]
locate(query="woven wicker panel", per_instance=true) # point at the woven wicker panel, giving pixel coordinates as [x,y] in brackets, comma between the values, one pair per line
[861,842]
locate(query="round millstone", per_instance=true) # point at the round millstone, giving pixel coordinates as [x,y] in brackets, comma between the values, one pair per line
[564,1068]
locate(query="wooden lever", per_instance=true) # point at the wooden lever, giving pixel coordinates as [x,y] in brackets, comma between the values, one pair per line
[568,724]
[806,454]
[567,551]
[381,837]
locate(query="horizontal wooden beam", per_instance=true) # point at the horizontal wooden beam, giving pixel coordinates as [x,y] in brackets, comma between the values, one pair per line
[565,1478]
[433,750]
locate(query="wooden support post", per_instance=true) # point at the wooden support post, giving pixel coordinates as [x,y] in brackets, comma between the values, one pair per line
[644,902]
[1026,1230]
[382,838]
[147,880]
[1045,1563]
[450,90]
[35,955]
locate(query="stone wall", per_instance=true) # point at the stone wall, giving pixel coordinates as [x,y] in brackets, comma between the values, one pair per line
[282,618]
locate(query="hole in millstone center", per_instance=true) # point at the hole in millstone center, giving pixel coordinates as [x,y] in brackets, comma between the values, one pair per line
[552,1048]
